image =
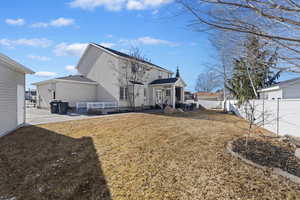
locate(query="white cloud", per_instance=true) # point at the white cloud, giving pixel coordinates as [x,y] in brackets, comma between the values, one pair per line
[75,49]
[35,42]
[45,74]
[16,22]
[62,22]
[125,51]
[109,36]
[71,68]
[154,41]
[135,5]
[149,41]
[113,5]
[59,22]
[107,44]
[40,58]
[116,5]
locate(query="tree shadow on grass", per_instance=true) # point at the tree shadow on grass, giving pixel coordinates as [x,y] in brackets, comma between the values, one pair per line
[39,164]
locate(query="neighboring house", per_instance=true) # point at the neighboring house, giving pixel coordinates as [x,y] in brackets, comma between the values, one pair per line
[189,96]
[30,95]
[101,80]
[12,94]
[217,96]
[289,89]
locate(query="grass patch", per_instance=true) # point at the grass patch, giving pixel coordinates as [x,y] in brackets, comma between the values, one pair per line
[136,156]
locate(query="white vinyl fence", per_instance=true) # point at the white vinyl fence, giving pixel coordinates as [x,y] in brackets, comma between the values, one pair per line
[280,116]
[208,104]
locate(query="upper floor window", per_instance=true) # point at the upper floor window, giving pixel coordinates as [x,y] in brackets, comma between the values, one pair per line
[160,75]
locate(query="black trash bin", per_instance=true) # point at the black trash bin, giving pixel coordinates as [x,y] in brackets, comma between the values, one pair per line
[63,108]
[54,106]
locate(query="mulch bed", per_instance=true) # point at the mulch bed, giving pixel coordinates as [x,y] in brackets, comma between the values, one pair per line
[270,153]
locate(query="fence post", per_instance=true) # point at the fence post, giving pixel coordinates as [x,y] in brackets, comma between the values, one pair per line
[278,116]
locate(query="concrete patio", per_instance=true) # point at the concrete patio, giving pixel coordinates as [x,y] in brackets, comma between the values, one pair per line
[36,116]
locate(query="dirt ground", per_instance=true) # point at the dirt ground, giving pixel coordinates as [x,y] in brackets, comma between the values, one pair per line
[137,156]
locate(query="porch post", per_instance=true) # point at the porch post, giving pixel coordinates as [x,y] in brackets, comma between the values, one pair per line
[182,94]
[173,96]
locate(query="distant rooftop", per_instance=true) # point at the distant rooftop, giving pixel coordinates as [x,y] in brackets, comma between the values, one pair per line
[128,56]
[211,94]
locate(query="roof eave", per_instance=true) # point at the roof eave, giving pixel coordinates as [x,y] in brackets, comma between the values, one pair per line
[162,84]
[270,89]
[15,65]
[62,80]
[44,82]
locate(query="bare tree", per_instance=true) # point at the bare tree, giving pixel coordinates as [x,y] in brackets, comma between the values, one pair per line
[133,75]
[276,21]
[227,47]
[208,81]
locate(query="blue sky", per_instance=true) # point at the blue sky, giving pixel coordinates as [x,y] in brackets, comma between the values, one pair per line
[49,36]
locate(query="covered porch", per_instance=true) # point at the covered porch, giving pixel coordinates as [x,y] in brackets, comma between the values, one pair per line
[168,91]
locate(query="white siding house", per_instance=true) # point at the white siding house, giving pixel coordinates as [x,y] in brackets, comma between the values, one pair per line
[101,70]
[12,94]
[289,89]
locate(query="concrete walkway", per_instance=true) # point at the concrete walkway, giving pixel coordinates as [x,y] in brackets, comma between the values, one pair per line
[36,116]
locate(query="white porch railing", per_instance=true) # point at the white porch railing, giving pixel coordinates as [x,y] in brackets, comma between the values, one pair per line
[95,105]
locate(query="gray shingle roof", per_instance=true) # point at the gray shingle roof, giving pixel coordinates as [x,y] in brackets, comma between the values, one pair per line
[164,81]
[78,78]
[127,56]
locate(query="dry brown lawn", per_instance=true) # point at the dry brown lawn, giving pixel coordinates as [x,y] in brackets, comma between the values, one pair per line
[135,156]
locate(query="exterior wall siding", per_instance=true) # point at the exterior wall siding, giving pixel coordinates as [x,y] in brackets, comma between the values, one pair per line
[292,92]
[102,68]
[274,94]
[44,95]
[76,92]
[9,80]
